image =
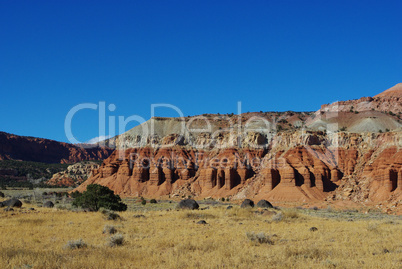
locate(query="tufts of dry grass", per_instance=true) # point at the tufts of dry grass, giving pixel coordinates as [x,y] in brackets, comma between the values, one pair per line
[235,238]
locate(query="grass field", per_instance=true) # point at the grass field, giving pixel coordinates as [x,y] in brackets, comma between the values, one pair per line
[158,236]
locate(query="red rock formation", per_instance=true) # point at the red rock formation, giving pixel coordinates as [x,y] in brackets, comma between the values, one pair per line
[295,165]
[14,147]
[297,173]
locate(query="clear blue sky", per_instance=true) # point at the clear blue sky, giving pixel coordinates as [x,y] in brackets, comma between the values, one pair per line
[201,56]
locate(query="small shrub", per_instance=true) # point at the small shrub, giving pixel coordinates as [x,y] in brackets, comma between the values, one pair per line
[306,252]
[223,199]
[373,227]
[116,240]
[109,215]
[292,214]
[153,201]
[191,215]
[277,217]
[143,202]
[109,229]
[76,244]
[329,209]
[261,238]
[113,216]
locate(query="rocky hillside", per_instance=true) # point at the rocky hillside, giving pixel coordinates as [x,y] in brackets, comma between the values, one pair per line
[345,154]
[27,174]
[74,175]
[14,147]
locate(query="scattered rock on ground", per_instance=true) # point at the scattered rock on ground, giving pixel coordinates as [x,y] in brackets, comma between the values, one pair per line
[13,202]
[313,229]
[264,204]
[202,222]
[247,203]
[188,204]
[48,204]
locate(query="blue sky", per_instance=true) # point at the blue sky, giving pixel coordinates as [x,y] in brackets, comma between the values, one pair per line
[201,56]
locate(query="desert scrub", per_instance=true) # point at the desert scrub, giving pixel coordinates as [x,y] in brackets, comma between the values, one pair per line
[109,229]
[195,215]
[277,217]
[291,214]
[116,240]
[75,244]
[164,239]
[110,215]
[237,213]
[306,252]
[261,238]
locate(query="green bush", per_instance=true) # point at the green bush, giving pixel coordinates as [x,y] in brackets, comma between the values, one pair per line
[143,202]
[97,196]
[153,201]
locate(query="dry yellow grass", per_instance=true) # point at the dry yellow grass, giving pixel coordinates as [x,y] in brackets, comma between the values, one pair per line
[172,239]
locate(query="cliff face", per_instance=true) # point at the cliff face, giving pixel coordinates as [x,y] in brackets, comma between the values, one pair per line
[296,167]
[74,175]
[289,157]
[13,147]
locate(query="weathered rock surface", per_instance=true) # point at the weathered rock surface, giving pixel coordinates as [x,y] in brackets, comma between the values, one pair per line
[247,203]
[13,202]
[264,204]
[48,204]
[188,204]
[301,163]
[74,175]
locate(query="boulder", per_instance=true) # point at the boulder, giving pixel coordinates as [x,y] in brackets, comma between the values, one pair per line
[13,202]
[48,204]
[202,222]
[264,204]
[188,204]
[247,203]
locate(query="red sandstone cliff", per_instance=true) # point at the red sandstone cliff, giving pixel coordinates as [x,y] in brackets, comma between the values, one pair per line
[296,162]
